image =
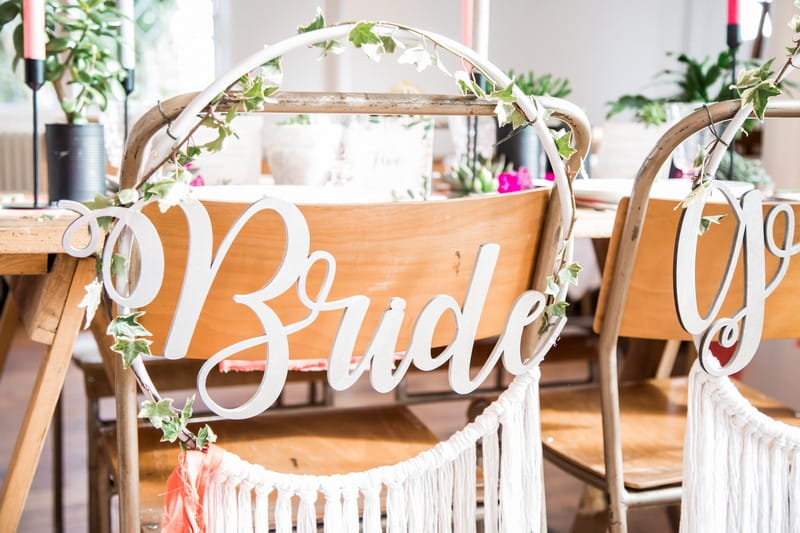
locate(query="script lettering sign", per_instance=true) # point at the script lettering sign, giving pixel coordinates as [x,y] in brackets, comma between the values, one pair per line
[754,235]
[386,370]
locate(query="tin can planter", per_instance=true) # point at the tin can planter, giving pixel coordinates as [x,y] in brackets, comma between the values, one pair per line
[76,161]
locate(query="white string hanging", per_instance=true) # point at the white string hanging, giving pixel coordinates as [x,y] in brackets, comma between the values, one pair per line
[741,467]
[434,492]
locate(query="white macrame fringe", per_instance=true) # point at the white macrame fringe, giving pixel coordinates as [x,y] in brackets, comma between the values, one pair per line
[434,492]
[741,468]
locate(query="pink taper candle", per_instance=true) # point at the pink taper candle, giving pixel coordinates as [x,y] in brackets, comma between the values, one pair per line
[467,12]
[33,33]
[733,11]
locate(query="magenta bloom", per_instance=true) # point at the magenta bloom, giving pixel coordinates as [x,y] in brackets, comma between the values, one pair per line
[524,178]
[197,181]
[509,182]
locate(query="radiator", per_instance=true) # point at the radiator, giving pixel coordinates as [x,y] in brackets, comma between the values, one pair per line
[16,162]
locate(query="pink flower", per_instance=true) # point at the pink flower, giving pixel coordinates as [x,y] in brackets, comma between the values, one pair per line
[550,176]
[197,181]
[524,178]
[509,182]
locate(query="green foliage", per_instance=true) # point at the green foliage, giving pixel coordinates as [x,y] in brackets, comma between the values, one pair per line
[81,52]
[128,326]
[130,349]
[747,170]
[164,416]
[544,85]
[755,87]
[570,273]
[696,80]
[706,221]
[563,139]
[205,436]
[332,47]
[297,120]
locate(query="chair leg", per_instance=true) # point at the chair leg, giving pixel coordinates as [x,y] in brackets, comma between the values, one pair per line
[592,515]
[8,324]
[58,465]
[674,516]
[102,482]
[95,480]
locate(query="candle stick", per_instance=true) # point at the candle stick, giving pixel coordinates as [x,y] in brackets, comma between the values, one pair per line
[34,36]
[734,40]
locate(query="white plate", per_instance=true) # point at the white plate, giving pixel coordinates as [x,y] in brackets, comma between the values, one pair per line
[611,191]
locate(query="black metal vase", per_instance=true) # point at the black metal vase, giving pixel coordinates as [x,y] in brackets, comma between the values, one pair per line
[76,161]
[522,150]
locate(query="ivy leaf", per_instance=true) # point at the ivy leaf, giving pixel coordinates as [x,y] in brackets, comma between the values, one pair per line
[317,24]
[699,157]
[552,287]
[417,56]
[362,34]
[440,64]
[118,263]
[794,23]
[563,139]
[205,436]
[127,196]
[504,95]
[330,47]
[373,51]
[272,72]
[389,43]
[130,349]
[91,300]
[98,202]
[186,412]
[706,221]
[467,84]
[170,430]
[128,326]
[503,111]
[570,273]
[759,95]
[557,309]
[157,412]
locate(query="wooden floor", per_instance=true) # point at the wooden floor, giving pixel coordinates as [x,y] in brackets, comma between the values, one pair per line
[563,492]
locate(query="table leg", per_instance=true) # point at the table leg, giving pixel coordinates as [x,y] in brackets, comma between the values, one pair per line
[9,320]
[42,403]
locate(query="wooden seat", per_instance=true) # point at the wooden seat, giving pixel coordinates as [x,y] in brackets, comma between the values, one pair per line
[653,420]
[317,443]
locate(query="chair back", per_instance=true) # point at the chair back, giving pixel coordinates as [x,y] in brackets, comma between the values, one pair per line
[409,250]
[651,290]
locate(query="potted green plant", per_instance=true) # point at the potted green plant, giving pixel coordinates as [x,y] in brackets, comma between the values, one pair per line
[695,82]
[81,64]
[521,148]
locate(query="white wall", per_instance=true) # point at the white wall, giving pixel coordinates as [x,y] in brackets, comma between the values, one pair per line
[606,47]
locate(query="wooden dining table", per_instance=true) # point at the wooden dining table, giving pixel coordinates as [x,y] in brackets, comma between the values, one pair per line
[45,287]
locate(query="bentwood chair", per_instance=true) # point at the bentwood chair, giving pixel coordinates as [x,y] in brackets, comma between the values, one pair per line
[626,439]
[369,463]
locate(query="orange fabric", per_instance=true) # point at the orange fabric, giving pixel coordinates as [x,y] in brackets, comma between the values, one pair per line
[186,490]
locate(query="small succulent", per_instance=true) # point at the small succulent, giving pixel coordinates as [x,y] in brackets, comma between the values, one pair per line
[476,176]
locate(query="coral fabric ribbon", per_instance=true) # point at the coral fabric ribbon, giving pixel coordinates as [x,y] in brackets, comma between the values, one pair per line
[186,490]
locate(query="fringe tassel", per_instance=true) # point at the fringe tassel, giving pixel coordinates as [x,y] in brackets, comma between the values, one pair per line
[396,513]
[332,515]
[283,510]
[511,502]
[307,511]
[245,508]
[491,464]
[433,492]
[741,468]
[350,509]
[372,507]
[261,512]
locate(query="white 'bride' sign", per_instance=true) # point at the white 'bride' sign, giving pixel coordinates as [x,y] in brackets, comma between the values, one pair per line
[385,369]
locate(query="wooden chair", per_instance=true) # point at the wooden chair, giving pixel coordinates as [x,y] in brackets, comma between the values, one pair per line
[626,439]
[382,250]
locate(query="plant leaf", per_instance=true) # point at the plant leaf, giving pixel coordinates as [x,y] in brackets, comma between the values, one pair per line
[417,56]
[157,412]
[205,436]
[570,273]
[128,326]
[130,349]
[91,300]
[118,263]
[362,34]
[317,24]
[563,140]
[98,202]
[706,221]
[552,287]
